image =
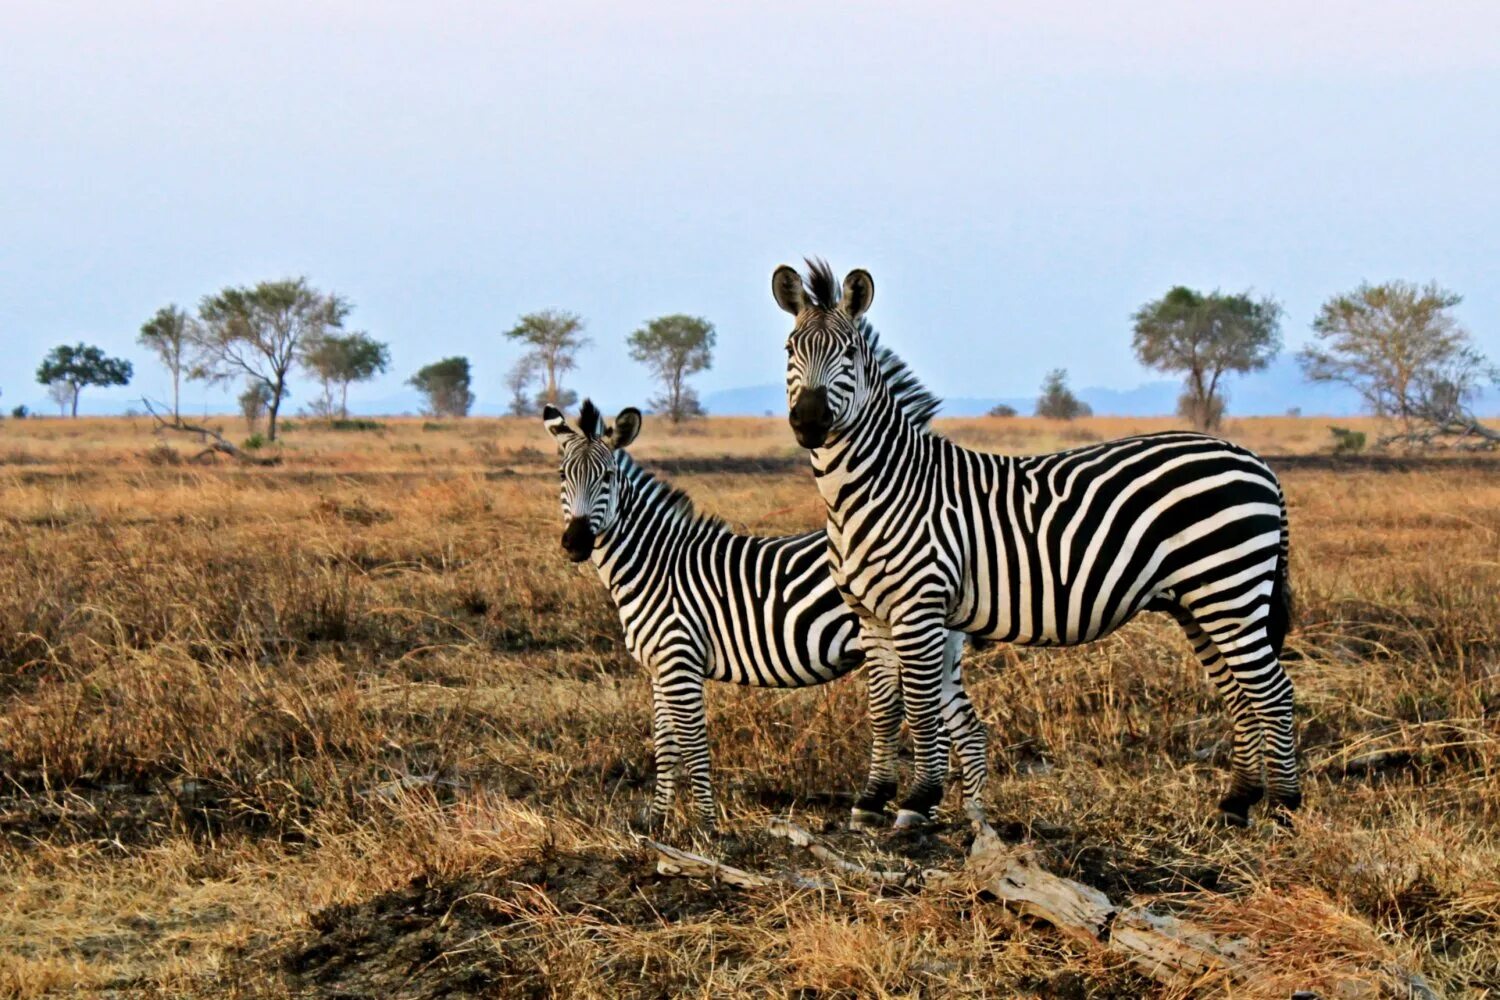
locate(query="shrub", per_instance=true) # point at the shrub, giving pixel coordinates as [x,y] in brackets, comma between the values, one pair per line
[1346,441]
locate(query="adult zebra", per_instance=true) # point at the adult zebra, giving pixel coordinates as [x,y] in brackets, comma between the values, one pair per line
[699,602]
[1043,550]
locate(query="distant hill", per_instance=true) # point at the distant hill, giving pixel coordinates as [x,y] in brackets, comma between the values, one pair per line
[1272,392]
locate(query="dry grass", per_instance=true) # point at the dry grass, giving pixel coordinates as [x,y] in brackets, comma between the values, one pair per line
[351,725]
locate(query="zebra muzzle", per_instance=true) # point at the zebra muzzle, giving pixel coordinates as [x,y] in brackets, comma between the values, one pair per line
[578,539]
[811,417]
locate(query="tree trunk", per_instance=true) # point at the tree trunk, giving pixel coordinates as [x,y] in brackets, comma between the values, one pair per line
[274,408]
[76,391]
[1210,410]
[1195,405]
[551,382]
[176,393]
[344,403]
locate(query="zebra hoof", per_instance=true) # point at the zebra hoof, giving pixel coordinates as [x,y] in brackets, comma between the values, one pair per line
[866,819]
[1238,820]
[1282,808]
[1289,802]
[908,819]
[1234,808]
[648,821]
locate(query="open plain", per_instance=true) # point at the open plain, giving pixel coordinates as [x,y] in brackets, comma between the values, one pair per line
[351,725]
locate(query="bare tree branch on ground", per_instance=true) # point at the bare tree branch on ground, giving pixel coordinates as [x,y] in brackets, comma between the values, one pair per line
[214,442]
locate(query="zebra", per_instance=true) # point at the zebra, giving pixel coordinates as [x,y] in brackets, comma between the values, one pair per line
[1058,549]
[700,602]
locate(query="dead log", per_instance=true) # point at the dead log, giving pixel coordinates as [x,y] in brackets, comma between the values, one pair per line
[674,861]
[1166,948]
[785,828]
[215,442]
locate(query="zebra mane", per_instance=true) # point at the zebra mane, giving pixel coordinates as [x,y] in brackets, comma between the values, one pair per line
[590,421]
[660,493]
[821,284]
[918,403]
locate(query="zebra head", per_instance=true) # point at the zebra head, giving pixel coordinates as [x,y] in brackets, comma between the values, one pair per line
[590,500]
[827,354]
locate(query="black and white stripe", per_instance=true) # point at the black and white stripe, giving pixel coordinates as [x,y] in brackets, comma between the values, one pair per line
[699,602]
[1042,550]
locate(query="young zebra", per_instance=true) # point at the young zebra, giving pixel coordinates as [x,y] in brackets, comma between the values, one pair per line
[700,602]
[1041,550]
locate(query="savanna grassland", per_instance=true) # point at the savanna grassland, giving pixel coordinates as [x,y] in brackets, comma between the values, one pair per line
[352,726]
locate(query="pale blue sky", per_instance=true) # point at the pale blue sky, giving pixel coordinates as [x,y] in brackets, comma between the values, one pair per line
[1018,177]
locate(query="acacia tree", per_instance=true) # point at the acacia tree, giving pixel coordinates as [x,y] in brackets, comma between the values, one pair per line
[337,360]
[257,333]
[167,335]
[1203,338]
[445,383]
[553,338]
[67,369]
[675,347]
[1057,400]
[520,376]
[1400,347]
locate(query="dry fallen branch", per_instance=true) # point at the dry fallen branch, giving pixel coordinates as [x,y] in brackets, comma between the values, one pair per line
[1165,948]
[674,861]
[212,439]
[802,838]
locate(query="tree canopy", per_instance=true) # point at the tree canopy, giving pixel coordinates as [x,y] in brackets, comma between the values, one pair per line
[675,347]
[1057,400]
[257,333]
[1204,337]
[339,360]
[168,335]
[553,338]
[445,383]
[68,368]
[1400,347]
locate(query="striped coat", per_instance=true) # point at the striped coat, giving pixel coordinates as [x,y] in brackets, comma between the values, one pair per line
[1042,550]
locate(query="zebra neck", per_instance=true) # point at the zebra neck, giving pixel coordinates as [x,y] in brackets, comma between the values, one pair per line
[877,456]
[651,518]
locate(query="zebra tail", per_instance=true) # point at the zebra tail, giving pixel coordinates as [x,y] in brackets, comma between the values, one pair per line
[1280,622]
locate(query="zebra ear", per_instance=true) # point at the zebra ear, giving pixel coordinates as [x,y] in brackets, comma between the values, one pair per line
[859,292]
[786,289]
[627,427]
[557,425]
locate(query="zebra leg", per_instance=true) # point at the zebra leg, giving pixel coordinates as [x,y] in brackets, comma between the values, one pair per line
[683,687]
[965,729]
[884,684]
[667,754]
[1247,650]
[1246,786]
[921,641]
